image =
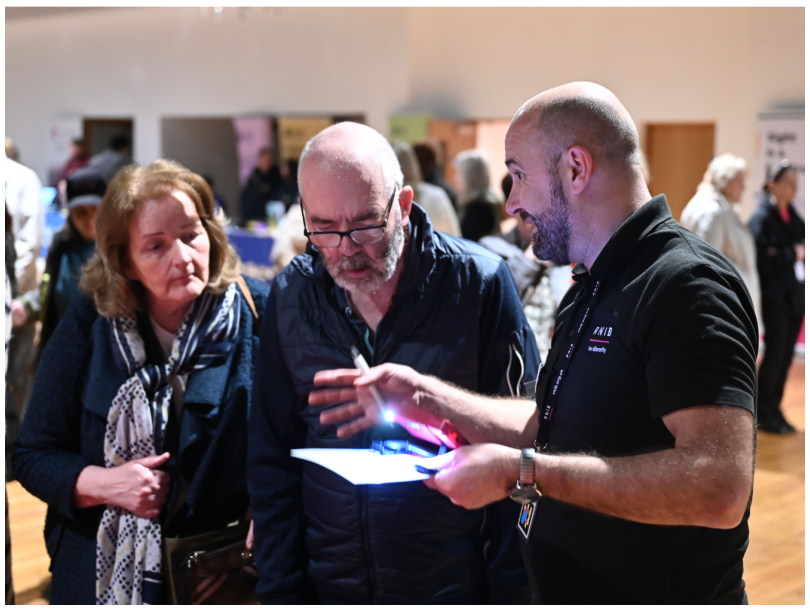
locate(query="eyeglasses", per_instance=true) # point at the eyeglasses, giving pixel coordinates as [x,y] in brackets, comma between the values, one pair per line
[362,236]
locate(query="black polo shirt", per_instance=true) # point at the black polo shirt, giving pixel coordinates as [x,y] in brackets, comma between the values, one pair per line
[673,327]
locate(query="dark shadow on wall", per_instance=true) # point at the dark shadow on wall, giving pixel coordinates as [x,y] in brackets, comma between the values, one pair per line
[206,146]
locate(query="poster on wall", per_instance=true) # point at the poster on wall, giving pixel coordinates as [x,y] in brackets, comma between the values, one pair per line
[295,132]
[780,137]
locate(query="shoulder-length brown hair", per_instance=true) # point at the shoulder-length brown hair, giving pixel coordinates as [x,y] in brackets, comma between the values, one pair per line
[104,278]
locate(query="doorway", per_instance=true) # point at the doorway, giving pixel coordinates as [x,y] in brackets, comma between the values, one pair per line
[678,155]
[99,132]
[206,146]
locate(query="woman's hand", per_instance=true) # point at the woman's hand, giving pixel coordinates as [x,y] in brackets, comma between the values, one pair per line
[134,486]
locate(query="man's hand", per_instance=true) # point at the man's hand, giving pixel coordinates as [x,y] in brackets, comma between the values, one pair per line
[400,386]
[799,252]
[475,475]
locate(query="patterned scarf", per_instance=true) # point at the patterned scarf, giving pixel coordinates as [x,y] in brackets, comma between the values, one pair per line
[128,548]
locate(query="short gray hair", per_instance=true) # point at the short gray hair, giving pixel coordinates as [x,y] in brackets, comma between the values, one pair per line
[473,168]
[408,163]
[722,170]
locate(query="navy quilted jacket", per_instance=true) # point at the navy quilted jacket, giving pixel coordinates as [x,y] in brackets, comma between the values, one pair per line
[456,315]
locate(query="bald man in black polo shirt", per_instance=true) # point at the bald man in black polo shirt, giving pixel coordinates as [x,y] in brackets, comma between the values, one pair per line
[635,464]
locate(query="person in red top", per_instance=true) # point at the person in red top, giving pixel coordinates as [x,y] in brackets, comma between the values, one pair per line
[779,234]
[78,158]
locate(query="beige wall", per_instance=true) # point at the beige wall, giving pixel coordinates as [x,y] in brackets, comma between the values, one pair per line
[666,64]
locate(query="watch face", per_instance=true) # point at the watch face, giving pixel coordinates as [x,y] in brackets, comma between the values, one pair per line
[524,493]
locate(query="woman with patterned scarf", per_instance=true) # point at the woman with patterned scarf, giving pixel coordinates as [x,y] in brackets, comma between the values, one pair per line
[136,429]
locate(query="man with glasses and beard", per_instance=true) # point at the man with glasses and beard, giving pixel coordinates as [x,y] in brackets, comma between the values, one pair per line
[634,465]
[377,277]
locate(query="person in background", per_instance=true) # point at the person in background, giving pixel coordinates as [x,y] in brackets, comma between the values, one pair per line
[289,240]
[11,150]
[377,277]
[220,205]
[260,186]
[10,256]
[779,235]
[712,214]
[70,249]
[78,159]
[431,198]
[286,190]
[27,219]
[428,152]
[137,426]
[118,155]
[480,209]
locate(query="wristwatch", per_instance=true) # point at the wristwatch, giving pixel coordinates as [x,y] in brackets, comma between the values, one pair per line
[526,489]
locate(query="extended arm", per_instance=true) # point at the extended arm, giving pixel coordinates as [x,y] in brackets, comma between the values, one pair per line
[706,479]
[511,422]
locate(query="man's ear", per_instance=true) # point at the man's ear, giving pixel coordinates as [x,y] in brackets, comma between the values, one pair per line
[578,168]
[406,202]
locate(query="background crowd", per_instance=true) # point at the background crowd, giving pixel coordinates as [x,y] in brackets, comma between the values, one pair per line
[88,256]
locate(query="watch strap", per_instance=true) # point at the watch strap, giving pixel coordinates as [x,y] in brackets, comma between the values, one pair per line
[527,466]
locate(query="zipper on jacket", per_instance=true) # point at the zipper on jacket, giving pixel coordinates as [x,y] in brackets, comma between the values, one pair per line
[372,577]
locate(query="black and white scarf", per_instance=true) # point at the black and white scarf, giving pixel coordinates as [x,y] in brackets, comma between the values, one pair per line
[128,548]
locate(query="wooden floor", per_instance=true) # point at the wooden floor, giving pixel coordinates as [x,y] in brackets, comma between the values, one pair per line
[774,563]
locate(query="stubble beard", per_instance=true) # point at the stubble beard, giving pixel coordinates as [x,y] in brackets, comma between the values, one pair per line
[381,269]
[552,234]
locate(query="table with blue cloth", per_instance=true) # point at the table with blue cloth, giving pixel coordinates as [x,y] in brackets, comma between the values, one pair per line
[254,250]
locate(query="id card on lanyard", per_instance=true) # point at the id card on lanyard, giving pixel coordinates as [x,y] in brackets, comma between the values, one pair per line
[528,509]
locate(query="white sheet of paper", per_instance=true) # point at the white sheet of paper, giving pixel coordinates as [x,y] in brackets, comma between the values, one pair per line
[364,466]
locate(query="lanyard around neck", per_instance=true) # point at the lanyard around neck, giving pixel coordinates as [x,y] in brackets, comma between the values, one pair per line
[565,358]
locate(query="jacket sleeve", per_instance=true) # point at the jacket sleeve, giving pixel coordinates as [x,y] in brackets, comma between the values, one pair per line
[28,228]
[274,478]
[509,355]
[774,255]
[509,366]
[48,456]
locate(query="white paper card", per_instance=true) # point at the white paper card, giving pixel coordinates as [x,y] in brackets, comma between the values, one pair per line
[364,466]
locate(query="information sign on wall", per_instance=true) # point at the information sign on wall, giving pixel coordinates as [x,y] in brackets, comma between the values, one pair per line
[780,137]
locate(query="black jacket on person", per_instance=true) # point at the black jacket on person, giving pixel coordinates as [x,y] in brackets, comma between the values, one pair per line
[65,242]
[66,421]
[258,191]
[456,315]
[776,255]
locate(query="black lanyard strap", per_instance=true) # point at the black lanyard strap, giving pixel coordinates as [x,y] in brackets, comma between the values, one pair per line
[553,394]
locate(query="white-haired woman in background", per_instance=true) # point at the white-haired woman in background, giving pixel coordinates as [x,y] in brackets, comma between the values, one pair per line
[712,215]
[432,198]
[480,210]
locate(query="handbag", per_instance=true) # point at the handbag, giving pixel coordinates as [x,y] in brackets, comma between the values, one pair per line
[214,567]
[211,568]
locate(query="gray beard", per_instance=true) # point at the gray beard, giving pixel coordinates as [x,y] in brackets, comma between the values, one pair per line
[381,270]
[552,234]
